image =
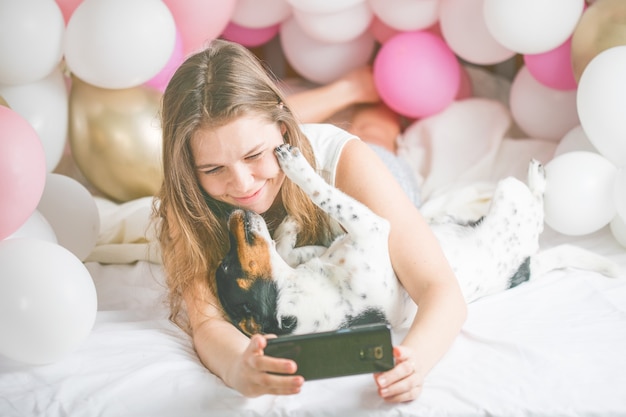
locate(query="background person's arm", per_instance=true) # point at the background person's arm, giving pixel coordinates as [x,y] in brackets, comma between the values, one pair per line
[319,104]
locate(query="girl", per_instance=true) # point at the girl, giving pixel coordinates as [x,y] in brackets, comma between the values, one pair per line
[222,117]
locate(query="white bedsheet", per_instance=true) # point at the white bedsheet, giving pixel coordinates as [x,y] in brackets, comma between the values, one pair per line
[551,347]
[556,346]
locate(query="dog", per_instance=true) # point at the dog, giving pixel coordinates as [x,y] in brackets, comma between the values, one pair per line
[271,286]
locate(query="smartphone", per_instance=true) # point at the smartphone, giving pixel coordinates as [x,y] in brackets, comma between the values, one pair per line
[350,351]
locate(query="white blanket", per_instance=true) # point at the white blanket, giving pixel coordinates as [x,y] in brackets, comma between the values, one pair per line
[554,346]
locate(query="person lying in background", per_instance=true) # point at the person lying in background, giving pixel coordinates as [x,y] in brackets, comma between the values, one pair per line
[352,103]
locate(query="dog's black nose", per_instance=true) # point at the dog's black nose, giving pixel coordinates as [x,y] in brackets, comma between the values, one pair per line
[288,324]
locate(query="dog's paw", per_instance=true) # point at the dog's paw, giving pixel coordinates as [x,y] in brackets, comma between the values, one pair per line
[536,178]
[292,162]
[286,235]
[286,153]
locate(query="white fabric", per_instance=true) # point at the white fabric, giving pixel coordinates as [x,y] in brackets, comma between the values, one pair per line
[127,233]
[550,347]
[465,149]
[555,346]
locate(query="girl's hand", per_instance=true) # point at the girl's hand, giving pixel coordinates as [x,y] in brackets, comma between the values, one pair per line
[402,383]
[252,373]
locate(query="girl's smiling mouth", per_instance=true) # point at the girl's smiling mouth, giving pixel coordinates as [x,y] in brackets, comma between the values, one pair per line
[249,199]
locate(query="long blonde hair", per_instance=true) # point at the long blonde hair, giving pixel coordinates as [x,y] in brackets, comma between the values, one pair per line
[211,88]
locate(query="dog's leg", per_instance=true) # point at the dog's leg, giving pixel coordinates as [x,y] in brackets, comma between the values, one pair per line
[286,237]
[357,219]
[569,256]
[537,178]
[494,254]
[357,264]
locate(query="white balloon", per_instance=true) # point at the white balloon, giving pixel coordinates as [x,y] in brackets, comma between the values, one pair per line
[323,62]
[36,226]
[619,192]
[44,104]
[542,112]
[618,229]
[406,15]
[574,140]
[31,45]
[256,14]
[118,43]
[72,212]
[463,27]
[342,26]
[48,301]
[579,193]
[532,26]
[601,100]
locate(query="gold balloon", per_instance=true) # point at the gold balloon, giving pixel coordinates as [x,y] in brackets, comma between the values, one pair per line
[3,102]
[602,26]
[115,138]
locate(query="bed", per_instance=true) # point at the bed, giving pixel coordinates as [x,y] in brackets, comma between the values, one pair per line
[555,346]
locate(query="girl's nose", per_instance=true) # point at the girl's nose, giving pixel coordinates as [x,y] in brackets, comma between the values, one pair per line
[241,179]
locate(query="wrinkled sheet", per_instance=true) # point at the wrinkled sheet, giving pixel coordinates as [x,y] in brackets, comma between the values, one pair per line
[555,346]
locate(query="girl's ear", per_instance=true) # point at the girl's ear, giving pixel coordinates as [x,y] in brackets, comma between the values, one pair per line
[283,131]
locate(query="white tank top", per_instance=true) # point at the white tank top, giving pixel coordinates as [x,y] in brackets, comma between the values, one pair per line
[327,141]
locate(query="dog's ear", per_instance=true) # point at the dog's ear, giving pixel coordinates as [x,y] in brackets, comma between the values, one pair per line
[226,276]
[244,283]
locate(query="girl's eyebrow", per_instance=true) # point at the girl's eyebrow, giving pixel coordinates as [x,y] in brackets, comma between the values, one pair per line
[254,150]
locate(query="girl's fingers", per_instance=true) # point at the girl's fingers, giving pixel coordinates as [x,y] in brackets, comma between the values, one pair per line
[402,383]
[274,365]
[264,372]
[283,385]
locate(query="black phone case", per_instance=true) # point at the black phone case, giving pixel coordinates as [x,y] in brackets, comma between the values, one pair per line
[350,351]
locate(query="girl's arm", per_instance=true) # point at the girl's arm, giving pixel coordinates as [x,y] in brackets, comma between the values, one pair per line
[225,351]
[420,265]
[237,360]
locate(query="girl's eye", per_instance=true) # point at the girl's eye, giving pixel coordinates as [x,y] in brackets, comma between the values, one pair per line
[255,156]
[213,171]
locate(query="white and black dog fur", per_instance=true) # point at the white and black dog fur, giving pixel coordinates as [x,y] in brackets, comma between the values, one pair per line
[268,286]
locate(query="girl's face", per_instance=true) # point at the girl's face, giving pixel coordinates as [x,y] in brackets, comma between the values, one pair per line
[235,163]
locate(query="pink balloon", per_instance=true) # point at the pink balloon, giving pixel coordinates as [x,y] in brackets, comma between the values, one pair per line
[553,68]
[416,74]
[161,80]
[67,8]
[248,36]
[22,171]
[200,21]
